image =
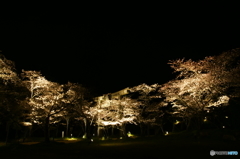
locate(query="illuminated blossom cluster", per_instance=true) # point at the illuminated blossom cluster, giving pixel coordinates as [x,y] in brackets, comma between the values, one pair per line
[7,70]
[115,112]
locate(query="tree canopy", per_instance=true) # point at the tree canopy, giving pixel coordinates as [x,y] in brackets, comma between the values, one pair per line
[199,89]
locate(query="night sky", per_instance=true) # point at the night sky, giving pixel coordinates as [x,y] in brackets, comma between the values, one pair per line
[108,52]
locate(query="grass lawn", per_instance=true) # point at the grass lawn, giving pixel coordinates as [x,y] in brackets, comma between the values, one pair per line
[180,147]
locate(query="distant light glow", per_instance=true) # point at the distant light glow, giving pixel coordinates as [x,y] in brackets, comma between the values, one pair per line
[177,122]
[26,123]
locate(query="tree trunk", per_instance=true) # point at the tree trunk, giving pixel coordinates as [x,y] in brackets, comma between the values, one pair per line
[57,130]
[46,133]
[16,136]
[112,130]
[7,130]
[161,127]
[148,129]
[85,126]
[188,124]
[141,129]
[25,134]
[30,131]
[99,131]
[123,130]
[173,127]
[67,121]
[88,131]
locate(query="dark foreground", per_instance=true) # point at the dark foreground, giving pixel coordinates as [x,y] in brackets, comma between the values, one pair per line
[140,148]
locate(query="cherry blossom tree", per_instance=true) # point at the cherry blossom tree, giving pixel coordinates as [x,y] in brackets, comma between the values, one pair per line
[46,100]
[202,84]
[78,105]
[115,112]
[150,106]
[12,96]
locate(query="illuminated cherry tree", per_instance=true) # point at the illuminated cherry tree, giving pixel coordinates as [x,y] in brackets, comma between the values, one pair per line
[78,105]
[149,105]
[46,100]
[201,85]
[138,106]
[115,112]
[12,96]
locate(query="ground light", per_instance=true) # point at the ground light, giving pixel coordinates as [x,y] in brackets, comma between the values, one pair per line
[166,133]
[71,139]
[84,136]
[129,134]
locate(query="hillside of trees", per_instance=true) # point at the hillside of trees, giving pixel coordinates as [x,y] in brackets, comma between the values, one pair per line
[205,94]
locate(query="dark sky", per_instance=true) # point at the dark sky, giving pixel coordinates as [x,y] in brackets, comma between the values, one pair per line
[109,52]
